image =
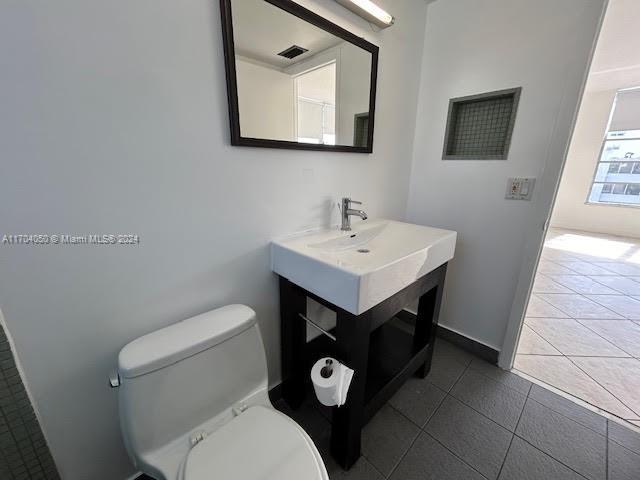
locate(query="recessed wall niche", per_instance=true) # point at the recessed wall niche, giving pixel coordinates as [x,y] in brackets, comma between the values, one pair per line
[479,127]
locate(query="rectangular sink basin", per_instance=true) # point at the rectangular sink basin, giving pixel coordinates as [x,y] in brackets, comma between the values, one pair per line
[356,270]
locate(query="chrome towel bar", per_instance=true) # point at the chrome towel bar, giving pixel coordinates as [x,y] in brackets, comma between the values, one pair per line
[317,327]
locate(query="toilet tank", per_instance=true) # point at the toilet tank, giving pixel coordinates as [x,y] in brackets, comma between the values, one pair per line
[176,379]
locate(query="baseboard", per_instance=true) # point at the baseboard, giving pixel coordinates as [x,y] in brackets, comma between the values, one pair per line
[465,343]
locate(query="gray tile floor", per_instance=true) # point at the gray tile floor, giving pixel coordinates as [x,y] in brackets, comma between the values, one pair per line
[471,420]
[582,327]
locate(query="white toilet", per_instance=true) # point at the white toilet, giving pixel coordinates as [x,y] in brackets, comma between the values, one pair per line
[194,405]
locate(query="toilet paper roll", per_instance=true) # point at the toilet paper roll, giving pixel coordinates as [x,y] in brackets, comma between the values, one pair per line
[331,384]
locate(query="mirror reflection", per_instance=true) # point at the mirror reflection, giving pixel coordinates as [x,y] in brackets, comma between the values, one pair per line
[297,82]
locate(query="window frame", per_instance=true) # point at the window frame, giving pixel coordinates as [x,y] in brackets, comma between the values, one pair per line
[599,162]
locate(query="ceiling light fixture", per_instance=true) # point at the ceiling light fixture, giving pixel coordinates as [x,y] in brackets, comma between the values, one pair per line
[369,11]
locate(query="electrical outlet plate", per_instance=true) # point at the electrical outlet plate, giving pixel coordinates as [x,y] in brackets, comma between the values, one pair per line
[520,188]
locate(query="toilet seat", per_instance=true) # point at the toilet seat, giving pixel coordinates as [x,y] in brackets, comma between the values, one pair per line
[259,444]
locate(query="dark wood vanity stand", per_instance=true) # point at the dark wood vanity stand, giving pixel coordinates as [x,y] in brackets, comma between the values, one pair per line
[382,355]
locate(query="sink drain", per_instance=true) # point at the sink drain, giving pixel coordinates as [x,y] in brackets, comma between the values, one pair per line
[363,250]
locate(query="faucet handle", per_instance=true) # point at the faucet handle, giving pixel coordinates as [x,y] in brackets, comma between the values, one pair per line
[355,202]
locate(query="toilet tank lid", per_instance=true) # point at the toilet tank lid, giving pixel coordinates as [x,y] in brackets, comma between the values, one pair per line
[183,339]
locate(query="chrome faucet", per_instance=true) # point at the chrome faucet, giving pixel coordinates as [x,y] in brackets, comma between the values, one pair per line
[347,212]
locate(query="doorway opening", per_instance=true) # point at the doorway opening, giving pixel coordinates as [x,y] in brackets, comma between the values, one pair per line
[581,331]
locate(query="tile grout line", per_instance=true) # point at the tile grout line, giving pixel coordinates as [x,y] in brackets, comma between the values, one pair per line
[528,395]
[466,368]
[578,293]
[11,431]
[548,303]
[574,421]
[606,450]
[590,277]
[577,404]
[372,466]
[498,381]
[422,428]
[618,443]
[558,264]
[448,393]
[579,323]
[579,320]
[480,413]
[625,317]
[504,460]
[551,456]
[581,274]
[585,298]
[473,408]
[605,388]
[608,286]
[420,431]
[541,337]
[576,356]
[591,262]
[617,346]
[455,455]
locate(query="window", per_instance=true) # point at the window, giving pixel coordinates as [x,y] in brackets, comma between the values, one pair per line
[617,177]
[315,92]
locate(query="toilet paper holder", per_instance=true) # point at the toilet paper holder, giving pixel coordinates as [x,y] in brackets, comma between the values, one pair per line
[317,327]
[327,370]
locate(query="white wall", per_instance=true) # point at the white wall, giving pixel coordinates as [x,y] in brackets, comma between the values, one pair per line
[266,101]
[570,210]
[353,90]
[627,112]
[616,63]
[473,47]
[114,120]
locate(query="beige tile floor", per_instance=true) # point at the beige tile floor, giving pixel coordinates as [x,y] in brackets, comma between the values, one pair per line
[582,327]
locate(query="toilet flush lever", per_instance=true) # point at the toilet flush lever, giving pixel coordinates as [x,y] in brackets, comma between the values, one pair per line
[239,409]
[197,437]
[114,379]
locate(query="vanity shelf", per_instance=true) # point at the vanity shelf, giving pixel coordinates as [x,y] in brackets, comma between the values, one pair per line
[391,357]
[383,353]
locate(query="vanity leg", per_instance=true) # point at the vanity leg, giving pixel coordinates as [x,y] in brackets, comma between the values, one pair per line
[352,334]
[427,322]
[293,339]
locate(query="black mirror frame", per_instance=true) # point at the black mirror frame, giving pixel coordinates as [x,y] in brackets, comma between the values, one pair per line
[232,87]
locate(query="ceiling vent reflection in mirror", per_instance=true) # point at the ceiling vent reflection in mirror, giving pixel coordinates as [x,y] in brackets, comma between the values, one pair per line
[293,51]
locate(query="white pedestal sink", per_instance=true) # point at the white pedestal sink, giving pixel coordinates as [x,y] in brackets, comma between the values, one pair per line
[358,269]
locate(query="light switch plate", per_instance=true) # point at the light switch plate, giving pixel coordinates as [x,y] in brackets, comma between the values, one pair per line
[520,188]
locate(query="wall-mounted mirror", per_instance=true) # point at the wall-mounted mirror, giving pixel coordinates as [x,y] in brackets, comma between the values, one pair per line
[296,80]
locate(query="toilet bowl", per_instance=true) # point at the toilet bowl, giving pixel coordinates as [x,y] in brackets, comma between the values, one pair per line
[194,405]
